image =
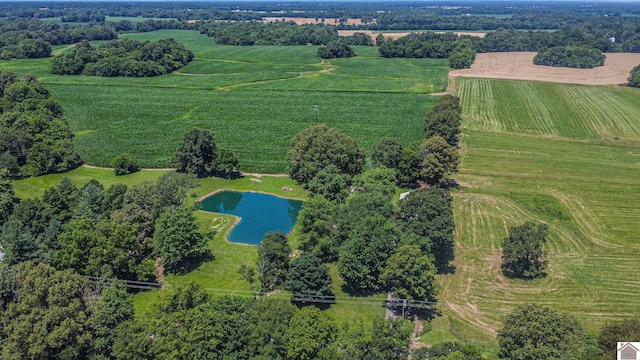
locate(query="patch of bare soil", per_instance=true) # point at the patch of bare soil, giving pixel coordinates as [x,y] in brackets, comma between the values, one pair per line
[520,66]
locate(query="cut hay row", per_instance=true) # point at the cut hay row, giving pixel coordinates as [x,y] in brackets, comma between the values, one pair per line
[555,144]
[570,111]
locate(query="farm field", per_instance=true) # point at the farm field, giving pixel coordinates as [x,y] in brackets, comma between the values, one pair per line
[398,34]
[255,99]
[567,155]
[519,66]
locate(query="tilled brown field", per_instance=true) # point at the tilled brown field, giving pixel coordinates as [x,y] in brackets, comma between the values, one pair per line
[519,66]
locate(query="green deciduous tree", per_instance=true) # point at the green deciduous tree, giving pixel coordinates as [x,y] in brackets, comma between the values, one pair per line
[534,332]
[389,339]
[310,331]
[7,199]
[410,275]
[48,318]
[444,119]
[269,319]
[634,77]
[273,260]
[429,213]
[330,184]
[316,231]
[176,238]
[227,163]
[522,253]
[197,153]
[335,49]
[364,254]
[124,164]
[627,330]
[308,279]
[387,152]
[114,307]
[317,147]
[438,161]
[30,234]
[378,181]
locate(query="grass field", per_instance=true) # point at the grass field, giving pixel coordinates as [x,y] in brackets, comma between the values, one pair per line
[563,154]
[255,99]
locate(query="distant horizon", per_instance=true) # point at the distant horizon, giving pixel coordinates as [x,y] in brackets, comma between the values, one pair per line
[452,2]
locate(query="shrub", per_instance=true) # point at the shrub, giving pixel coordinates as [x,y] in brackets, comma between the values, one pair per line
[634,78]
[124,164]
[335,49]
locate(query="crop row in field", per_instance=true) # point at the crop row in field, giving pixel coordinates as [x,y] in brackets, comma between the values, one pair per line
[559,168]
[538,108]
[255,99]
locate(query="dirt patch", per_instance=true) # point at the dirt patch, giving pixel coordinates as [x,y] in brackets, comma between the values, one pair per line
[519,66]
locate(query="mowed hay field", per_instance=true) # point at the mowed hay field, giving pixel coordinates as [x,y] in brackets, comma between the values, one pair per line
[566,155]
[254,99]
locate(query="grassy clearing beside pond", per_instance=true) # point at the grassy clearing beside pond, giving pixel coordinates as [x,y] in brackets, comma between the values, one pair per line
[546,152]
[255,99]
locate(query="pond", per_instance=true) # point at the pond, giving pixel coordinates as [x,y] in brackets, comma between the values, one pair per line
[259,213]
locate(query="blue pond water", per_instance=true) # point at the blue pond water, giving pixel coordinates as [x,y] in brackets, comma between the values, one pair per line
[259,213]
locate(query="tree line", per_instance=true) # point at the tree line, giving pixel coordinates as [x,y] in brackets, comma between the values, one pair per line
[278,33]
[351,218]
[33,39]
[52,314]
[124,57]
[35,139]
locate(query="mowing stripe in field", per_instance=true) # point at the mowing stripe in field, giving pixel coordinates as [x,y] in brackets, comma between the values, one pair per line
[559,143]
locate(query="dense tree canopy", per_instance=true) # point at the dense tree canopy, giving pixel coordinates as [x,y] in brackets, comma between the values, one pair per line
[47,316]
[618,331]
[34,138]
[387,152]
[570,56]
[335,49]
[634,77]
[444,118]
[227,163]
[330,184]
[176,238]
[522,253]
[315,148]
[535,332]
[432,161]
[308,279]
[310,332]
[197,153]
[410,275]
[124,57]
[22,38]
[273,260]
[364,254]
[428,213]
